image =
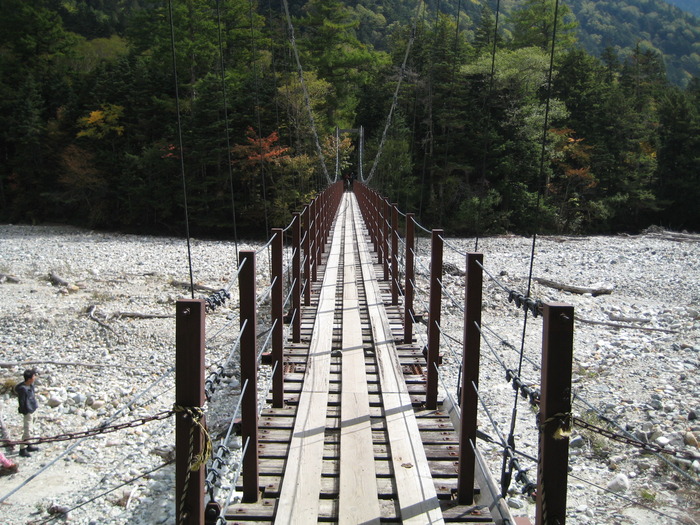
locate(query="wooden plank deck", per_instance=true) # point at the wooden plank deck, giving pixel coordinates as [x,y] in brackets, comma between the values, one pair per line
[299,501]
[353,443]
[417,497]
[358,493]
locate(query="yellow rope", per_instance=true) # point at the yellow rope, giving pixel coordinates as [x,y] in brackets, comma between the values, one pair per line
[196,414]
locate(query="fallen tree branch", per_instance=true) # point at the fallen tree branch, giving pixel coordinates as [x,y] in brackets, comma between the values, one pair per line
[56,280]
[201,287]
[91,315]
[573,289]
[622,319]
[138,315]
[7,364]
[633,327]
[8,278]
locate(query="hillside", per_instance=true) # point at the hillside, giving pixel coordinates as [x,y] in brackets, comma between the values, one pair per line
[619,24]
[651,24]
[692,6]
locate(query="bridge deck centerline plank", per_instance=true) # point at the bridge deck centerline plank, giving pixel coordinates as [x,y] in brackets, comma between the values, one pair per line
[416,492]
[358,492]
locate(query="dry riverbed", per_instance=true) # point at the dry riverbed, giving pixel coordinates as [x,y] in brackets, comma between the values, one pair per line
[101,333]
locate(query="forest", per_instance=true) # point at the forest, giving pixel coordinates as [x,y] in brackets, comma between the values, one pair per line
[124,114]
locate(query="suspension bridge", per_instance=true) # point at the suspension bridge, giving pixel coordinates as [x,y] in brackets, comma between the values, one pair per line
[353,427]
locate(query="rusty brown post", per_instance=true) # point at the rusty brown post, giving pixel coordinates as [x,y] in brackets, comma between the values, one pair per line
[277,303]
[323,215]
[249,375]
[312,241]
[555,412]
[386,219]
[375,223]
[410,277]
[394,254]
[380,231]
[189,393]
[473,284]
[434,319]
[318,226]
[296,278]
[307,257]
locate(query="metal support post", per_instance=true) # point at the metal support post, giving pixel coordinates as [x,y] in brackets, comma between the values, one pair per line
[394,255]
[277,300]
[318,228]
[408,311]
[473,282]
[434,320]
[555,413]
[386,219]
[249,375]
[307,256]
[296,278]
[189,394]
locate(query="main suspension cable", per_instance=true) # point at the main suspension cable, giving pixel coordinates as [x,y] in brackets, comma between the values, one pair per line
[307,99]
[395,100]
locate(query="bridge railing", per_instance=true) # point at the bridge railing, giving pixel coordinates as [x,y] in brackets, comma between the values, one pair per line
[557,346]
[289,286]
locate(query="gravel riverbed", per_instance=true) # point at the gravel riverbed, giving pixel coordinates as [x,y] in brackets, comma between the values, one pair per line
[99,365]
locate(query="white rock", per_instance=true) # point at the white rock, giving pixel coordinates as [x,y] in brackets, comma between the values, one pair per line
[619,483]
[515,503]
[54,401]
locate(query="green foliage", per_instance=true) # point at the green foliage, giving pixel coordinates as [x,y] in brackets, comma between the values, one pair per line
[89,128]
[655,25]
[534,24]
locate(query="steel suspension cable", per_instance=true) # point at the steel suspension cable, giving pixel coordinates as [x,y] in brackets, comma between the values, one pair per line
[483,109]
[180,143]
[257,115]
[396,95]
[506,472]
[226,127]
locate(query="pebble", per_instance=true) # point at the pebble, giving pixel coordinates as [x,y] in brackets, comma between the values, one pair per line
[516,503]
[620,483]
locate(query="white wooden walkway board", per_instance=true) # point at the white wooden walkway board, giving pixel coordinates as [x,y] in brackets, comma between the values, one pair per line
[301,485]
[358,494]
[416,492]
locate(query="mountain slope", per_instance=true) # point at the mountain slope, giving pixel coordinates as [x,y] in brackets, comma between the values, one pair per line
[691,6]
[651,24]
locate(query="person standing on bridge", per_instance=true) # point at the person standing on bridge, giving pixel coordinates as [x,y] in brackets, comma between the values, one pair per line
[27,407]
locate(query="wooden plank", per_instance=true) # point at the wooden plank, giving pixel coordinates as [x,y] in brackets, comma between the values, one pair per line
[441,469]
[299,501]
[417,499]
[358,494]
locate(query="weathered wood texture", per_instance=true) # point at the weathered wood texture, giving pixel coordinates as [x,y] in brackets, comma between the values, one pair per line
[371,453]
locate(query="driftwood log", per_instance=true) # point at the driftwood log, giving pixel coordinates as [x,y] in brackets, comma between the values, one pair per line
[573,289]
[197,286]
[57,280]
[91,314]
[622,319]
[628,326]
[138,315]
[8,278]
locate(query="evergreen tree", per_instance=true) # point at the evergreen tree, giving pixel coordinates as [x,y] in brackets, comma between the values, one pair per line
[533,25]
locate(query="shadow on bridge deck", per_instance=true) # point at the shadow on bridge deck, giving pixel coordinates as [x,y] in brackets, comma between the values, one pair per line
[353,443]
